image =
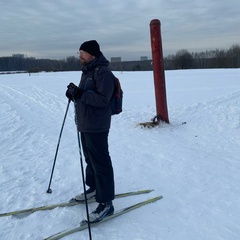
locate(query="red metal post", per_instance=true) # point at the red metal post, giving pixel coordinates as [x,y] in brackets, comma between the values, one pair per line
[158,70]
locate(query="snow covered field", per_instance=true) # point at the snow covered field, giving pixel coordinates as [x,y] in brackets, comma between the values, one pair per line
[195,166]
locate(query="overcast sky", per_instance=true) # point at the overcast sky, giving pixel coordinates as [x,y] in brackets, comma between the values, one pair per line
[55,29]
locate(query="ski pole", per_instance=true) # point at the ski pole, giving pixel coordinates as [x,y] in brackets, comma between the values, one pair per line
[84,187]
[49,190]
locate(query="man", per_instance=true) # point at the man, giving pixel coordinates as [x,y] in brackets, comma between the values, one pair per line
[93,119]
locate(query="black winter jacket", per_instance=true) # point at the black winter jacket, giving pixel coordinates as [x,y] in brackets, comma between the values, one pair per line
[92,110]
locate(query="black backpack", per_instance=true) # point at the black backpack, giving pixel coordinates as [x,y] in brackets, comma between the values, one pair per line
[117,98]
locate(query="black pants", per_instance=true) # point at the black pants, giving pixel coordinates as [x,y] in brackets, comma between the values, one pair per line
[99,170]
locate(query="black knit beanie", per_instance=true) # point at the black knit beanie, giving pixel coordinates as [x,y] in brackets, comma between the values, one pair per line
[91,47]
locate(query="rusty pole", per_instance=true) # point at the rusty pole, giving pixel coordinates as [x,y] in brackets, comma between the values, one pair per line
[158,70]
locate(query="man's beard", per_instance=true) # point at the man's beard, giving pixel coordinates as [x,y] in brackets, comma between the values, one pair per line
[83,62]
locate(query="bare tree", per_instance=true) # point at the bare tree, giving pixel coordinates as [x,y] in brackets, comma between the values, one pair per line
[183,59]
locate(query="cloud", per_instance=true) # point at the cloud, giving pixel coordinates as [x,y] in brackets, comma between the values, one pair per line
[55,29]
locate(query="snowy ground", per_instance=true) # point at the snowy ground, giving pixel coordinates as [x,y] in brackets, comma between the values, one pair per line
[195,166]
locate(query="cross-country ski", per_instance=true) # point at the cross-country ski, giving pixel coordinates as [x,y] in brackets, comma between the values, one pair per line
[68,204]
[116,214]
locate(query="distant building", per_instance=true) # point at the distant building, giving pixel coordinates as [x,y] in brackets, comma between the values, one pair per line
[18,55]
[116,59]
[143,58]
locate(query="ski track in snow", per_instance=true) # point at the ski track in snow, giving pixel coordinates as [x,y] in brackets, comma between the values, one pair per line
[194,166]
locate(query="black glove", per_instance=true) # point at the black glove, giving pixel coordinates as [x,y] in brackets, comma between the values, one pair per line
[73,92]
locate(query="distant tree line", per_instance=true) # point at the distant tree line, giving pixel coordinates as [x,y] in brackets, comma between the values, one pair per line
[183,59]
[32,65]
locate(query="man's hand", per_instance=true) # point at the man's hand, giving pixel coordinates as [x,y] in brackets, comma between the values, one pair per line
[73,92]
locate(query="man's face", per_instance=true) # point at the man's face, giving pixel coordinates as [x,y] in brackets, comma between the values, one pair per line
[85,57]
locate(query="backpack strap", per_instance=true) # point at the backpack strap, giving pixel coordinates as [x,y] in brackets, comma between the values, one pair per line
[96,70]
